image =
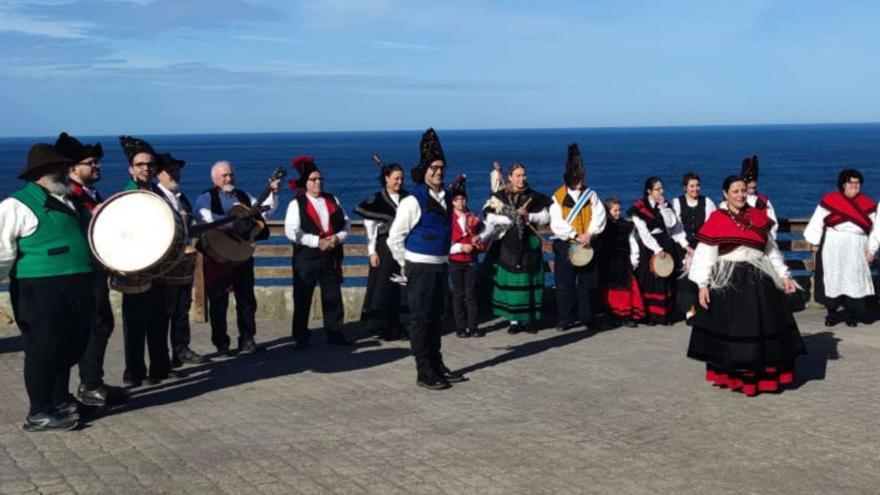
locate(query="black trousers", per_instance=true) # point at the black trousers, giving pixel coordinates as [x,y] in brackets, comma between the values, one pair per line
[179,300]
[573,286]
[307,274]
[245,306]
[464,294]
[55,317]
[144,319]
[91,364]
[426,288]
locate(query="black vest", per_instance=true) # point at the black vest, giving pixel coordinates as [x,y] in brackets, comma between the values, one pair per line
[692,218]
[243,198]
[337,223]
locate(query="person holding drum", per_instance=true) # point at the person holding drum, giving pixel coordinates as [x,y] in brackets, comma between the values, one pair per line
[743,330]
[692,210]
[658,230]
[318,226]
[749,171]
[44,250]
[577,216]
[840,227]
[222,276]
[381,310]
[518,293]
[419,240]
[82,176]
[143,312]
[179,280]
[618,258]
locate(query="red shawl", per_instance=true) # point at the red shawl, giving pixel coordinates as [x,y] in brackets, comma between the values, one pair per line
[643,209]
[728,230]
[843,209]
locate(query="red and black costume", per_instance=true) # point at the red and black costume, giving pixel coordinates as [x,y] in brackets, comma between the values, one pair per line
[620,291]
[658,293]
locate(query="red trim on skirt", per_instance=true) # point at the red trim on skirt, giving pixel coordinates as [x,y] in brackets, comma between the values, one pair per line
[750,383]
[625,302]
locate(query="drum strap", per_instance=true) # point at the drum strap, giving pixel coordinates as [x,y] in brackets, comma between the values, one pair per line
[581,202]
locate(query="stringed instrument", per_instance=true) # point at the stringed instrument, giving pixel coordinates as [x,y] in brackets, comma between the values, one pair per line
[230,248]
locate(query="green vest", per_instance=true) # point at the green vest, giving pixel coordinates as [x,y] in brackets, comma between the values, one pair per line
[58,246]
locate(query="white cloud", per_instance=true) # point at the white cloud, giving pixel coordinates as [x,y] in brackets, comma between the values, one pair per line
[15,22]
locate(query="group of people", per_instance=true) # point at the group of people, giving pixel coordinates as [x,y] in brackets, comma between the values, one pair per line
[723,270]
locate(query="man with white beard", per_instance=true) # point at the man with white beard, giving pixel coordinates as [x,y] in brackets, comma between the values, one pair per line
[44,250]
[213,204]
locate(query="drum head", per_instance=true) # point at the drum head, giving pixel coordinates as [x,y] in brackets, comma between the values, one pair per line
[662,267]
[132,231]
[580,255]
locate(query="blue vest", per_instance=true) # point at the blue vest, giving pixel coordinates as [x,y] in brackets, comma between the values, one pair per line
[432,235]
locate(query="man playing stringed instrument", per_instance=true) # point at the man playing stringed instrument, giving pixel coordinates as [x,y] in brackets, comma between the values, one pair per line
[222,278]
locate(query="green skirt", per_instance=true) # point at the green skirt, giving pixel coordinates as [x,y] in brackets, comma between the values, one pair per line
[518,296]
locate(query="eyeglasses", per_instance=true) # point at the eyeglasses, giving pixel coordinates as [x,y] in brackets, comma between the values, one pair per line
[435,168]
[143,165]
[313,179]
[92,164]
[854,182]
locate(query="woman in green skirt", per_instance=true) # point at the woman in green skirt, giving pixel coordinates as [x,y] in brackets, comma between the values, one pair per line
[518,274]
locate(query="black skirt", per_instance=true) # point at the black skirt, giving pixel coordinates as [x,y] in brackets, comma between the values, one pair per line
[658,292]
[383,297]
[748,326]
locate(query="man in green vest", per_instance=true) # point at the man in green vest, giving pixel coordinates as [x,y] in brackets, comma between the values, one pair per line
[144,314]
[44,250]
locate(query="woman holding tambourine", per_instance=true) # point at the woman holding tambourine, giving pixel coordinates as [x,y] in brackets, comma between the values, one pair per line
[658,231]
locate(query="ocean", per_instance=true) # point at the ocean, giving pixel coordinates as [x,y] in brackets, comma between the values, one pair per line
[798,162]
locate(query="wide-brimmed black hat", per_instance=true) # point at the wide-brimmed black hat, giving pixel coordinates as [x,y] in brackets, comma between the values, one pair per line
[75,150]
[131,146]
[41,157]
[749,170]
[165,160]
[458,187]
[304,165]
[430,150]
[574,166]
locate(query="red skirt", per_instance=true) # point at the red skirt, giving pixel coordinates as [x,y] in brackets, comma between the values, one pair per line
[750,383]
[625,303]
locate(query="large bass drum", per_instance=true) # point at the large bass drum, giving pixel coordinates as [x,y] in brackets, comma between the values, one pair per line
[138,236]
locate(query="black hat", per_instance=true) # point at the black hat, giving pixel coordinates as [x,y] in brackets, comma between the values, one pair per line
[75,150]
[131,146]
[458,187]
[749,170]
[42,156]
[166,160]
[304,165]
[574,166]
[430,151]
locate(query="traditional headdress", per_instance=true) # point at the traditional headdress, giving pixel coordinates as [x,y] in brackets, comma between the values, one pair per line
[131,146]
[574,166]
[458,187]
[430,151]
[70,147]
[43,157]
[304,165]
[749,170]
[166,160]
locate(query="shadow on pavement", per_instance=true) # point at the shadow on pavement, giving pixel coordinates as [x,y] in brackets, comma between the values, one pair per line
[11,344]
[821,347]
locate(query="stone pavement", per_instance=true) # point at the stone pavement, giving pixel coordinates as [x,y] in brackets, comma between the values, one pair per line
[620,411]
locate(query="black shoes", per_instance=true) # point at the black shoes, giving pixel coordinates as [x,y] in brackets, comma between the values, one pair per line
[462,333]
[515,328]
[101,395]
[477,333]
[187,356]
[50,422]
[247,346]
[69,409]
[432,382]
[564,326]
[450,376]
[224,350]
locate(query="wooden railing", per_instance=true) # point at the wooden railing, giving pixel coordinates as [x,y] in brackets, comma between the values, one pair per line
[790,234]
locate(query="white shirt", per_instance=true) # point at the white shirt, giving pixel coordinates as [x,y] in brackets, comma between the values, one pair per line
[17,221]
[203,213]
[563,230]
[294,231]
[673,228]
[705,257]
[371,227]
[408,215]
[173,197]
[496,182]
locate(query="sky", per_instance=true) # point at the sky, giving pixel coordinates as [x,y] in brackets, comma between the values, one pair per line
[98,67]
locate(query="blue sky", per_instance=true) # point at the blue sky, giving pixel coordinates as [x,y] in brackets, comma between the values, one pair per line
[180,66]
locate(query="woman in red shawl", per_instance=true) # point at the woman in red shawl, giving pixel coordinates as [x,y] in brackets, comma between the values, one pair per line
[743,330]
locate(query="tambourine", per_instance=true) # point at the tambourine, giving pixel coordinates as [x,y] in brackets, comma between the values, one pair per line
[662,267]
[580,255]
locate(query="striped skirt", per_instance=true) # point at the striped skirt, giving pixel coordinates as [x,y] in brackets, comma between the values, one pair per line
[518,296]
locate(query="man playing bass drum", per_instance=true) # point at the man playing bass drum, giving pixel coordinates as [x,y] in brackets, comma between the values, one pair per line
[221,278]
